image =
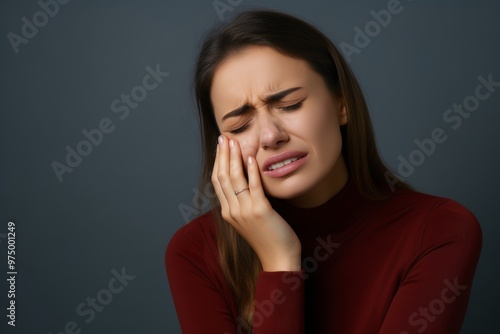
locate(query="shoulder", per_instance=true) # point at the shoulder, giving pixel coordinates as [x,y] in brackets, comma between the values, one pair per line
[438,219]
[192,241]
[435,208]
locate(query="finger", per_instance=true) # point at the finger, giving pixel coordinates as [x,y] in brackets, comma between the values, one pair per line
[237,175]
[254,181]
[216,184]
[223,175]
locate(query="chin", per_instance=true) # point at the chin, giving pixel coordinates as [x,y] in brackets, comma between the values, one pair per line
[287,189]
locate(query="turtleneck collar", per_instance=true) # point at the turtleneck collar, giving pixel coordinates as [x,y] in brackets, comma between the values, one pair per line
[336,217]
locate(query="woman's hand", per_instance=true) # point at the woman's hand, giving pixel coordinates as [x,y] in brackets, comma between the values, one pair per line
[250,212]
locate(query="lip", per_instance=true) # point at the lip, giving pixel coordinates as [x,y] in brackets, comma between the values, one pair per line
[287,169]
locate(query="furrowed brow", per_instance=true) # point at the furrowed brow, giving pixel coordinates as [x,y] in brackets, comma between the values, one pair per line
[269,99]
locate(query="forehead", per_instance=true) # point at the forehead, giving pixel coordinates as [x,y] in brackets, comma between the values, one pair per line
[253,73]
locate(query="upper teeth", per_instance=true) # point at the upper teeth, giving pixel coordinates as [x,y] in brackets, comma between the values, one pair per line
[281,164]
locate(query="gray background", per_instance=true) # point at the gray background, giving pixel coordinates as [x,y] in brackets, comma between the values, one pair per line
[120,206]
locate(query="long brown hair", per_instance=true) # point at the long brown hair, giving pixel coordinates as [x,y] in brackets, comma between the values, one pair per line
[298,39]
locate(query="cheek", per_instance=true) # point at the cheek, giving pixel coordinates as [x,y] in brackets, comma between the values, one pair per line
[326,123]
[248,148]
[323,132]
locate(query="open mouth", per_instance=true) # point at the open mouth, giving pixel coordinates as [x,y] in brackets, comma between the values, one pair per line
[282,163]
[288,163]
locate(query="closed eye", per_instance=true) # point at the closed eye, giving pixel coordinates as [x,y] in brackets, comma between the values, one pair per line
[240,129]
[292,107]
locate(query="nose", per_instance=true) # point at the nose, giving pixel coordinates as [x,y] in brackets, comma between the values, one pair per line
[272,131]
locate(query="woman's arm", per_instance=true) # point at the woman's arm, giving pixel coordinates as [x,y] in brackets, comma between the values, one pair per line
[249,211]
[203,301]
[200,300]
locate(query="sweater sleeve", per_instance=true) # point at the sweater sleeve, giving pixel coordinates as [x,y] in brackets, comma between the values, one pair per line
[279,303]
[433,295]
[202,300]
[200,305]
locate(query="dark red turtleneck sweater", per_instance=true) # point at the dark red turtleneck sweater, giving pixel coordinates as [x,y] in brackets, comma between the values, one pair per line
[398,266]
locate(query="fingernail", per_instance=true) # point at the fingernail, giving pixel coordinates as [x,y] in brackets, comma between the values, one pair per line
[231,143]
[221,140]
[250,160]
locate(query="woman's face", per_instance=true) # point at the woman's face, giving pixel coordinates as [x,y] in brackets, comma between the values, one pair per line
[282,113]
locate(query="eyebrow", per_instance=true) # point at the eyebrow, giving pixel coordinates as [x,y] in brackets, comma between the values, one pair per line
[268,99]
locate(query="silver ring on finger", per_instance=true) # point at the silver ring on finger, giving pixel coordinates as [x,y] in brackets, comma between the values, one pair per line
[240,191]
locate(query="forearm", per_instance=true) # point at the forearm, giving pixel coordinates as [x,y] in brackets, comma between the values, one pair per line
[279,303]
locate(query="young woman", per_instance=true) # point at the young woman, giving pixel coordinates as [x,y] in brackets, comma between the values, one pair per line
[309,231]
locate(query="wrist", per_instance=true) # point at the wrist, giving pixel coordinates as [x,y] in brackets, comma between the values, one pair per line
[287,264]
